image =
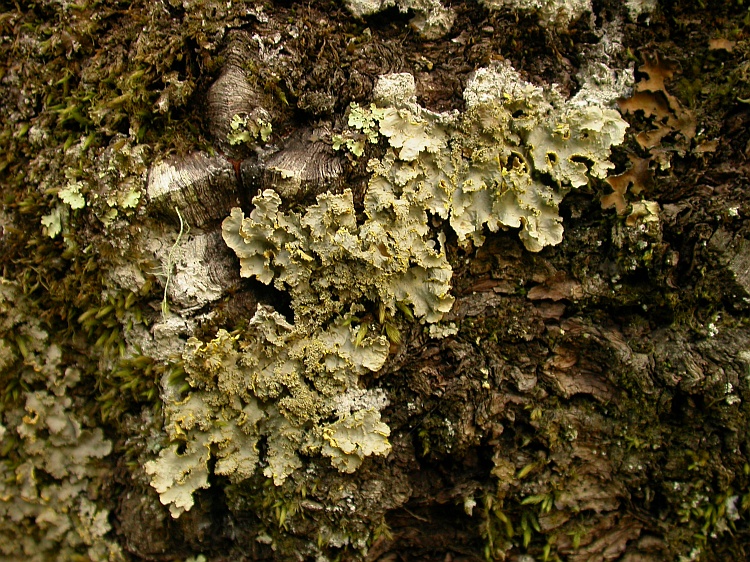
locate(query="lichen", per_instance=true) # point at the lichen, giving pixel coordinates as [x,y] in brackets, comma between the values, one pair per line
[49,459]
[432,20]
[71,195]
[110,184]
[553,13]
[506,162]
[326,261]
[639,7]
[363,123]
[272,382]
[248,130]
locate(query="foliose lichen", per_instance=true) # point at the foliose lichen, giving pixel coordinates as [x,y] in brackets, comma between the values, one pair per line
[298,391]
[505,162]
[49,459]
[326,261]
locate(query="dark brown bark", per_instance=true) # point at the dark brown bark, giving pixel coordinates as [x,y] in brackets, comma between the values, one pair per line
[593,402]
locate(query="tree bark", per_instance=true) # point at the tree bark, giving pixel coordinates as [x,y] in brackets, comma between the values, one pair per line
[586,402]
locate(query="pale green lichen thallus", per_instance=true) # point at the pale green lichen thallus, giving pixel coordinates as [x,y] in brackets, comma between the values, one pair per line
[506,162]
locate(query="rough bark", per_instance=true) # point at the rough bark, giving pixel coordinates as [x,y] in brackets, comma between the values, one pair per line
[588,402]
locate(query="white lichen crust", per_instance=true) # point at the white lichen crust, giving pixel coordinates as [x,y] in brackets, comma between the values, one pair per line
[431,20]
[551,13]
[638,7]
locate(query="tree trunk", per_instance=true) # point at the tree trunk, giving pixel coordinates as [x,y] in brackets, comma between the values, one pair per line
[265,297]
